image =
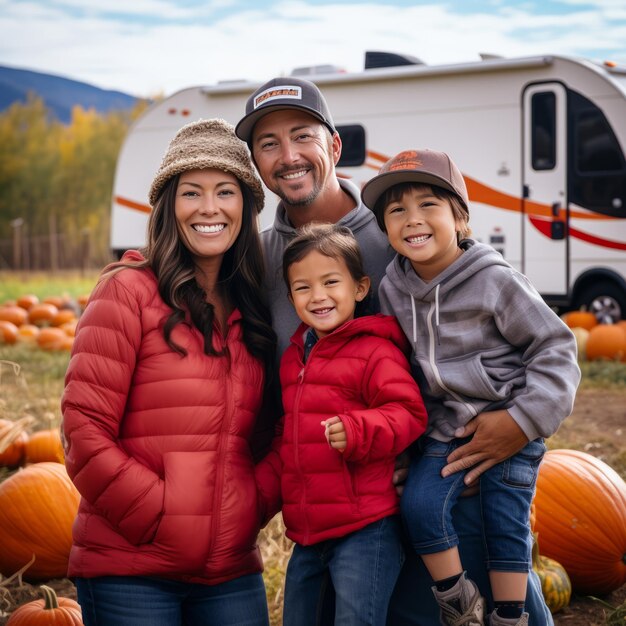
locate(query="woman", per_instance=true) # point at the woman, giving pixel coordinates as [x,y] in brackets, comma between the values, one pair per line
[163,389]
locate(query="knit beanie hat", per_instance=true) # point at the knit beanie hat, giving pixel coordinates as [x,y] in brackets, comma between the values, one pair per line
[208,144]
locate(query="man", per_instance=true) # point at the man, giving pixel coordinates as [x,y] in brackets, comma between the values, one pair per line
[295,147]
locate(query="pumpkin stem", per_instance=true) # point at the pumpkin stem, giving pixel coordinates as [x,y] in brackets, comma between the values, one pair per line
[13,431]
[51,601]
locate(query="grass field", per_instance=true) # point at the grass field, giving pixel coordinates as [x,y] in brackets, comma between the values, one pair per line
[71,283]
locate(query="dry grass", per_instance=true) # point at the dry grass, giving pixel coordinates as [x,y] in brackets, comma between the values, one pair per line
[276,550]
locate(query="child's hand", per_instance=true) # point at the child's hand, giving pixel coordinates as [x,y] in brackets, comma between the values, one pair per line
[335,433]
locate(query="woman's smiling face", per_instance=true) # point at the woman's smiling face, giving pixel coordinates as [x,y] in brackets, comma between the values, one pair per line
[209,210]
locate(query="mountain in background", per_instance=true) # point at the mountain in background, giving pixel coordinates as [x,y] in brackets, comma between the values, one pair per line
[59,94]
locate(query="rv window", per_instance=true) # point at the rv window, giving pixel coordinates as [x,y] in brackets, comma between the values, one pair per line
[597,165]
[353,145]
[596,147]
[543,151]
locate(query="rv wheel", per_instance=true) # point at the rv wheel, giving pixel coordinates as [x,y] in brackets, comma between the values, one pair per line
[605,300]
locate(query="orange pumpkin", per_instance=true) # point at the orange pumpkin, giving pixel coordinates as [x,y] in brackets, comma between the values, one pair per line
[622,324]
[56,301]
[67,344]
[51,611]
[580,509]
[8,332]
[606,341]
[44,445]
[581,319]
[13,440]
[69,328]
[27,332]
[63,316]
[38,505]
[14,314]
[82,300]
[50,338]
[27,300]
[42,314]
[533,516]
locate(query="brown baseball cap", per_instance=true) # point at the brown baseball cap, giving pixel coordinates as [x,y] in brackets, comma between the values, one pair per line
[416,166]
[283,93]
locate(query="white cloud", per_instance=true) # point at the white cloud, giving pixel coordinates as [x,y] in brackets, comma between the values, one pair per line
[161,56]
[161,9]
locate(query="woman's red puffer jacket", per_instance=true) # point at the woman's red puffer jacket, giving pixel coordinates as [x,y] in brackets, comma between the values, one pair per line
[157,443]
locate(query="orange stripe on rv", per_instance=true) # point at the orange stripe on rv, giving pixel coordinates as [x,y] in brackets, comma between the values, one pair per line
[478,192]
[144,208]
[377,156]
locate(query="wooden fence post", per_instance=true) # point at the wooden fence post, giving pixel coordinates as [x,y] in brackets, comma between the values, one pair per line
[85,250]
[54,243]
[17,242]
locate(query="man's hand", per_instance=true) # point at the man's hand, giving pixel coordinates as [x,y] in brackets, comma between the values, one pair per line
[401,471]
[496,438]
[335,433]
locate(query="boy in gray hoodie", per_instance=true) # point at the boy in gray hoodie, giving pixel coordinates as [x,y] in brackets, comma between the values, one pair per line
[484,342]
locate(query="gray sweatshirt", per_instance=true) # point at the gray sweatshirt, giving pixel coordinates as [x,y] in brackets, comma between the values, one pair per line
[483,339]
[375,249]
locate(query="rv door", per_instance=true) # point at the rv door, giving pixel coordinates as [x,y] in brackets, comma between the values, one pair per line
[544,205]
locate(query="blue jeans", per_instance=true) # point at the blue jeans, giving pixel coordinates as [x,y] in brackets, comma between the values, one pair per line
[413,603]
[143,601]
[506,493]
[363,568]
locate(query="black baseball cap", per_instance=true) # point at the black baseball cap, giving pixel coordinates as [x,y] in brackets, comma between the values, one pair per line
[283,93]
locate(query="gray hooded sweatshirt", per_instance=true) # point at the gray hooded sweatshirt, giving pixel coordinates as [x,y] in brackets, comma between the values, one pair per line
[483,339]
[375,249]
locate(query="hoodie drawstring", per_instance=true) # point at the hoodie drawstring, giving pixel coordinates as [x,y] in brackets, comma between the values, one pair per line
[414,324]
[437,313]
[436,318]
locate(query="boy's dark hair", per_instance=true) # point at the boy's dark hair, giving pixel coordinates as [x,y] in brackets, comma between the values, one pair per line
[396,192]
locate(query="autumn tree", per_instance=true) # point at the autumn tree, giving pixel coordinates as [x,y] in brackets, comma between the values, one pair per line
[59,178]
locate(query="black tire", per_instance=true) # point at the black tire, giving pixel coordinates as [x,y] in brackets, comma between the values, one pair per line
[605,300]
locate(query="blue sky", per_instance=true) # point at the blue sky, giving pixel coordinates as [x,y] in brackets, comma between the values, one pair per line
[153,47]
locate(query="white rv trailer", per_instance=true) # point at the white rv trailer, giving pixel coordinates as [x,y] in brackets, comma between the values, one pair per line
[540,140]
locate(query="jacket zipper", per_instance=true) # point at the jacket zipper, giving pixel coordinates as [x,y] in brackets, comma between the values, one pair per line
[296,441]
[222,447]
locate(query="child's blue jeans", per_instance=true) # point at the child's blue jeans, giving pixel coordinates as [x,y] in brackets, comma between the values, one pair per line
[363,568]
[506,493]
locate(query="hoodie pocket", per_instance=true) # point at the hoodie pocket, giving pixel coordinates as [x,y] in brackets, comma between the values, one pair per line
[471,379]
